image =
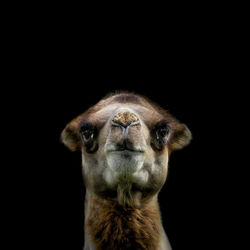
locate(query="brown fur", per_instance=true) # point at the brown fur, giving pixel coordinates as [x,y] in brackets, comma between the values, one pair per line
[112,226]
[180,135]
[122,213]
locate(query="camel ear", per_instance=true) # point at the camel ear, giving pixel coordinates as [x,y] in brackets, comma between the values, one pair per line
[70,138]
[180,136]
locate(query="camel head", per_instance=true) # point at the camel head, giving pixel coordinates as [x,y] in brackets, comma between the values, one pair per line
[126,141]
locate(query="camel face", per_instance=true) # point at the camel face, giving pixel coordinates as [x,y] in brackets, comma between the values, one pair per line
[125,142]
[125,147]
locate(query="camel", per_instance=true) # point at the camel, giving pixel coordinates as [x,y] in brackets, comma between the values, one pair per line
[125,141]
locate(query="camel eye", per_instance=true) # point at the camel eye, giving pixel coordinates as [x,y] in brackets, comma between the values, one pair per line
[162,132]
[159,133]
[87,134]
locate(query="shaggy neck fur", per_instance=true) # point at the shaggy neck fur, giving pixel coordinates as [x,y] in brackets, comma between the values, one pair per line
[111,226]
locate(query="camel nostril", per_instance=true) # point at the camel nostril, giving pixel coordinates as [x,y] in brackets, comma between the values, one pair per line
[125,119]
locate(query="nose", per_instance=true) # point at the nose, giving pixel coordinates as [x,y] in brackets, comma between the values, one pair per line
[125,119]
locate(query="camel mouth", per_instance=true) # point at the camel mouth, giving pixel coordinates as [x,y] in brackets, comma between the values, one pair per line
[125,150]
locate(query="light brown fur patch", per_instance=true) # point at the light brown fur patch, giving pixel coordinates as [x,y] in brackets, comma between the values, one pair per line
[112,226]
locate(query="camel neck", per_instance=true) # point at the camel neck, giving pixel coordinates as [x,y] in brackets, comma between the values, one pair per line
[111,226]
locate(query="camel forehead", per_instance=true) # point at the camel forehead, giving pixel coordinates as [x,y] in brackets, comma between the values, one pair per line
[105,112]
[101,112]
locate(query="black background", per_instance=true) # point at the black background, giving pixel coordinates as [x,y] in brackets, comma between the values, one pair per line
[190,200]
[189,66]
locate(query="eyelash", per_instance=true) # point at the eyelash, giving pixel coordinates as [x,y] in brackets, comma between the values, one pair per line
[87,132]
[159,133]
[162,132]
